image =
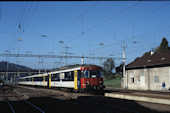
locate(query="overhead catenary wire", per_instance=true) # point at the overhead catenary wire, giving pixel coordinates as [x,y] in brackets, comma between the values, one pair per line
[26,17]
[12,44]
[80,16]
[20,25]
[84,12]
[131,22]
[106,20]
[21,18]
[65,27]
[111,32]
[127,39]
[29,18]
[151,12]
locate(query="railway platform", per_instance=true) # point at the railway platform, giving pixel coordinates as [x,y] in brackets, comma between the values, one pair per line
[159,97]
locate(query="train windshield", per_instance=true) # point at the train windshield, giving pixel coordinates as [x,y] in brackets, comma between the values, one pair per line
[96,74]
[91,74]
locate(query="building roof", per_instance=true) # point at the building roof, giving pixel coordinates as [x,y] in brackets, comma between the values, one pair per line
[148,60]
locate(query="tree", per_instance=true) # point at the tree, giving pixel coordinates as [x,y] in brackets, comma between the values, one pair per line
[164,45]
[119,69]
[108,66]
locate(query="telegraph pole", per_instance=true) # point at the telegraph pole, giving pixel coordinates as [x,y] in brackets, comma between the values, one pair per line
[101,44]
[66,53]
[18,48]
[125,78]
[61,51]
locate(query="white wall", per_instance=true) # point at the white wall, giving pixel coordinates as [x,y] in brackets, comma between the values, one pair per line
[155,76]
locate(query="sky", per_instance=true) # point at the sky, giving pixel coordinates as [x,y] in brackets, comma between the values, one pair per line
[37,27]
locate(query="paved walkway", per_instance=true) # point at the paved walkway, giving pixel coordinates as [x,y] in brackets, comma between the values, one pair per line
[160,97]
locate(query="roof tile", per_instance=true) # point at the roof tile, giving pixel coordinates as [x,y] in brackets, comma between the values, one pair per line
[151,60]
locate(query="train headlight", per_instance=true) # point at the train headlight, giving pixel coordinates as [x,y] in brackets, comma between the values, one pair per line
[83,84]
[100,82]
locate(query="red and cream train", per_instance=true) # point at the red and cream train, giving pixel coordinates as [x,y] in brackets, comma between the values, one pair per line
[77,77]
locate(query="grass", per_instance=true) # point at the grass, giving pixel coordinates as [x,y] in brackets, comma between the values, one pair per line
[116,82]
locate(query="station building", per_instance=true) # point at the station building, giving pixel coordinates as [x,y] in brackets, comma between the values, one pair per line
[148,72]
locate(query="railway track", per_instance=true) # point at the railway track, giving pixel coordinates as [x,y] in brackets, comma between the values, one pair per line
[55,101]
[106,107]
[15,103]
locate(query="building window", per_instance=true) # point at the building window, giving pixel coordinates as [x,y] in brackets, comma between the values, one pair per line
[156,79]
[142,73]
[132,80]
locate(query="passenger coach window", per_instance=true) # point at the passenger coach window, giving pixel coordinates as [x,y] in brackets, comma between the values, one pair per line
[69,75]
[66,75]
[72,75]
[38,78]
[55,77]
[27,79]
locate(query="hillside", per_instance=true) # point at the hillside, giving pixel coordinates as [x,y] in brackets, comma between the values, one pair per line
[12,67]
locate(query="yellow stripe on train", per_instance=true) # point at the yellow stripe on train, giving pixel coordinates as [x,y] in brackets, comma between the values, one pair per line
[49,80]
[44,81]
[75,79]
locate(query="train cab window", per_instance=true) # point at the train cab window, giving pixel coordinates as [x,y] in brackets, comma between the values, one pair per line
[85,74]
[101,74]
[95,74]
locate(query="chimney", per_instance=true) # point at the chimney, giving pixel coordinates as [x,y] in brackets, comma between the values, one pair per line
[152,53]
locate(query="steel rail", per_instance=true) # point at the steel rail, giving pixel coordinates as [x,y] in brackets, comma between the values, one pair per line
[34,106]
[110,106]
[9,104]
[84,106]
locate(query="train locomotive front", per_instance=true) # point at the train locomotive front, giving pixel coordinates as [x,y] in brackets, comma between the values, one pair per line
[91,78]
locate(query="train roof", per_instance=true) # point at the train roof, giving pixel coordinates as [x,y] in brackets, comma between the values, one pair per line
[63,69]
[75,66]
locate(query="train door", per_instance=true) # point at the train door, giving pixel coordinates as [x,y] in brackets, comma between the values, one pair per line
[44,81]
[77,83]
[78,80]
[47,79]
